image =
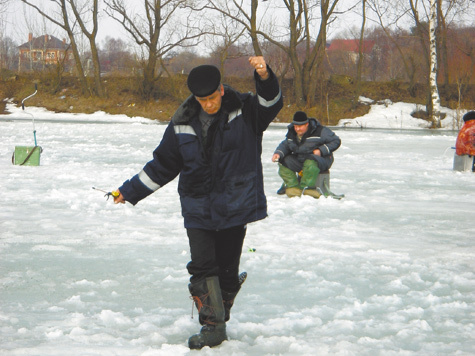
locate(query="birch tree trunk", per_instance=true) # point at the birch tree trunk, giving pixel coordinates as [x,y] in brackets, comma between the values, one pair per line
[433,65]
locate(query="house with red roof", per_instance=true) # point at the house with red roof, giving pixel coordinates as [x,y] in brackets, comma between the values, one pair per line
[43,51]
[351,48]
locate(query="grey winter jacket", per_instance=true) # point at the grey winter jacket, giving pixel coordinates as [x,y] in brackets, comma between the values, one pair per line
[317,136]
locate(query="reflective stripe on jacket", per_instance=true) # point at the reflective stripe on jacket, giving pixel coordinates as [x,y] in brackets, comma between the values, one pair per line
[220,184]
[317,136]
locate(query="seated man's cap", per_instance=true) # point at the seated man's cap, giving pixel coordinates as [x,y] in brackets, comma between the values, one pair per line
[204,80]
[300,118]
[469,116]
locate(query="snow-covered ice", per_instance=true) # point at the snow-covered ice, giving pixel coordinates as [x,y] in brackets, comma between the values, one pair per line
[388,270]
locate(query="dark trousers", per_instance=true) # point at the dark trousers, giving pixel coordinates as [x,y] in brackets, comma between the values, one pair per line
[293,163]
[216,253]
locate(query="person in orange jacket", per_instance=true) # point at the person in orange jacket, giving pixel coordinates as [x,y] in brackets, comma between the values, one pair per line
[465,144]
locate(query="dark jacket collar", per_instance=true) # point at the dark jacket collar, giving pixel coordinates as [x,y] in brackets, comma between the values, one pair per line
[312,127]
[190,108]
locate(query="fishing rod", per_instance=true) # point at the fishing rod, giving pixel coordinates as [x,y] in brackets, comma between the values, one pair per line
[107,194]
[23,107]
[22,154]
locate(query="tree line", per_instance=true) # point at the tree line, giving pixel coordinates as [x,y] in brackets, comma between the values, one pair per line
[291,34]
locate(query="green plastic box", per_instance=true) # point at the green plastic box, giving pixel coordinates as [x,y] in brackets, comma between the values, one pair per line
[27,155]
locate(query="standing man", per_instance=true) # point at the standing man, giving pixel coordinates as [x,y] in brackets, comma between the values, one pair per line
[214,141]
[308,148]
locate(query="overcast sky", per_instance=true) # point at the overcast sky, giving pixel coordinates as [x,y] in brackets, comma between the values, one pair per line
[22,19]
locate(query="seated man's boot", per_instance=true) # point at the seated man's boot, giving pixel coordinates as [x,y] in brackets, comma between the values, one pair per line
[209,302]
[293,192]
[312,193]
[308,181]
[281,190]
[290,180]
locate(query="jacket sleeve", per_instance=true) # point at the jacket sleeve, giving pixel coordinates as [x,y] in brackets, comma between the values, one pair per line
[283,149]
[269,99]
[163,168]
[331,142]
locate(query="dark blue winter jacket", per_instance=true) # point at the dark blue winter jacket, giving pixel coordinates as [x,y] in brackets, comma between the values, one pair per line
[221,183]
[317,136]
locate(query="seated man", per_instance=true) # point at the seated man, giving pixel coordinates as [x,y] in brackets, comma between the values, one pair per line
[465,144]
[308,148]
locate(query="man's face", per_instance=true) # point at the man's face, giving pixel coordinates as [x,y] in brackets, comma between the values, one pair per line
[212,103]
[301,129]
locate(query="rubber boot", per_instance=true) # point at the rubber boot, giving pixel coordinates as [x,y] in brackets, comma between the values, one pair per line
[290,180]
[293,192]
[281,190]
[289,177]
[209,302]
[283,187]
[309,178]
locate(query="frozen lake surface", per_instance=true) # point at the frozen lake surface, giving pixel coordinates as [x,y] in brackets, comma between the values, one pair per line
[388,270]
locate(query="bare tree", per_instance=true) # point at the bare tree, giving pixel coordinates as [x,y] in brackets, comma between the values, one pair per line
[183,61]
[448,11]
[3,38]
[389,15]
[62,20]
[246,17]
[163,26]
[433,39]
[80,13]
[225,35]
[115,55]
[463,44]
[359,65]
[8,53]
[296,32]
[442,42]
[237,12]
[313,62]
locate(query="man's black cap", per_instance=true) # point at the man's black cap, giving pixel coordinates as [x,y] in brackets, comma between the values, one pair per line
[300,118]
[204,80]
[469,116]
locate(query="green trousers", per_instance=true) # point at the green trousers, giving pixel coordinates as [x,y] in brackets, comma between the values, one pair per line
[310,172]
